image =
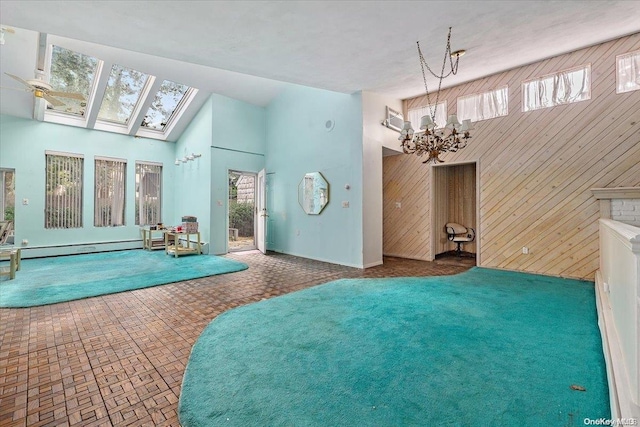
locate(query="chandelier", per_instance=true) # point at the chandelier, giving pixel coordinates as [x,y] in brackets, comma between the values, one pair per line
[433,141]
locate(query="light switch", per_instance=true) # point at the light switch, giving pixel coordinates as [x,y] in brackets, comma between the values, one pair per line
[25,201]
[345,204]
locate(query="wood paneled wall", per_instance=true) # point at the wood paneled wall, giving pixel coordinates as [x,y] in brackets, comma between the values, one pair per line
[535,171]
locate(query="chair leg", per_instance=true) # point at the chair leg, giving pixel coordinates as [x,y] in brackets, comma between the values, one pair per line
[459,250]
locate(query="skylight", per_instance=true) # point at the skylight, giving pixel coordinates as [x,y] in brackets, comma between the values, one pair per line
[72,72]
[122,94]
[117,97]
[167,102]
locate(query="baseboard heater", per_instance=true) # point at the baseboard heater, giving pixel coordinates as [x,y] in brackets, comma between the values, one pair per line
[80,248]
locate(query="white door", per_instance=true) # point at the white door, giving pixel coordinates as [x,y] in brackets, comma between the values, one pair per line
[261,207]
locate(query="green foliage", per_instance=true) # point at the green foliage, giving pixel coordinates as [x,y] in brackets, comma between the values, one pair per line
[241,217]
[9,213]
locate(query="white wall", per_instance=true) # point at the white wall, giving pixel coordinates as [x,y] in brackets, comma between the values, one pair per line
[301,139]
[374,138]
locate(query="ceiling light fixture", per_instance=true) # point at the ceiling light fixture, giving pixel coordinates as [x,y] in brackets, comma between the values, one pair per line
[432,141]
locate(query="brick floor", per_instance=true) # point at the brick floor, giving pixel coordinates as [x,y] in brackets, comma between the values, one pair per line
[118,360]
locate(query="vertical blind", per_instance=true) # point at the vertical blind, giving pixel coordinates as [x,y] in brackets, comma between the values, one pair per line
[148,193]
[564,87]
[109,199]
[63,200]
[483,106]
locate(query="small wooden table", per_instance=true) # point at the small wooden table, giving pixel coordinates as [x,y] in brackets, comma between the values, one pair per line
[178,250]
[14,255]
[148,242]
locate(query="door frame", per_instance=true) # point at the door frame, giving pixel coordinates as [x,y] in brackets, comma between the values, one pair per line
[260,238]
[255,216]
[434,207]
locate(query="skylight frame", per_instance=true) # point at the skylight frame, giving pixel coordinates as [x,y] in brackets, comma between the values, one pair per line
[107,57]
[163,134]
[139,100]
[134,121]
[60,117]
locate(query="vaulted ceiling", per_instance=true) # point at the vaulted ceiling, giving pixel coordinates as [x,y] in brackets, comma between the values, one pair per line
[248,49]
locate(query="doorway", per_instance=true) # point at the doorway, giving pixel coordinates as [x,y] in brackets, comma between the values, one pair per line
[7,206]
[242,211]
[455,196]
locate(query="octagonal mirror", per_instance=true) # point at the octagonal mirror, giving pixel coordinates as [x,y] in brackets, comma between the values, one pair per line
[313,193]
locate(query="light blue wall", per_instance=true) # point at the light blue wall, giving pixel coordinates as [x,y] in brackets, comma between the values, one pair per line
[238,143]
[22,147]
[298,142]
[193,178]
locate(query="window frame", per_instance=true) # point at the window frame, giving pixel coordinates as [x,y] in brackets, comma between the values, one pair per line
[554,74]
[428,107]
[162,134]
[78,176]
[94,101]
[138,104]
[618,57]
[138,193]
[474,120]
[60,117]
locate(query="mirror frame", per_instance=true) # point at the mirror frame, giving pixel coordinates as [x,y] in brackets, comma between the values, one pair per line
[318,180]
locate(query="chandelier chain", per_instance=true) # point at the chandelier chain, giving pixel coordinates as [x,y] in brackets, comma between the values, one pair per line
[435,139]
[442,76]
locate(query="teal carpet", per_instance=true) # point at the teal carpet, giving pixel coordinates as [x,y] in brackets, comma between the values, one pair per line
[482,348]
[50,280]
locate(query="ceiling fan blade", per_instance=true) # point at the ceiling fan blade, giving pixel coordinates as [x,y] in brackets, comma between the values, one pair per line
[21,89]
[71,95]
[24,82]
[52,100]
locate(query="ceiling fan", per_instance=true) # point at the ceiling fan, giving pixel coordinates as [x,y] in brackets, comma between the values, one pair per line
[42,89]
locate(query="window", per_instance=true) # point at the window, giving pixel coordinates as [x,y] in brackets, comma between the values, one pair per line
[110,179]
[628,72]
[167,101]
[122,94]
[7,194]
[415,114]
[63,200]
[148,193]
[564,87]
[483,106]
[72,72]
[112,99]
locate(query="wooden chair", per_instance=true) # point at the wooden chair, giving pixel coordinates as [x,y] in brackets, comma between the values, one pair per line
[460,235]
[14,256]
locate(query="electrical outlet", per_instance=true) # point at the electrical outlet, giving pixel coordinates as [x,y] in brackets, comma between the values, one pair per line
[398,205]
[25,201]
[525,250]
[345,204]
[25,242]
